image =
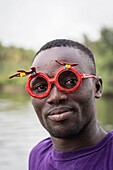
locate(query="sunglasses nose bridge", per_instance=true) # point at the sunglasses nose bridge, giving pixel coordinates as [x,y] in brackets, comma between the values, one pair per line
[53,81]
[55,84]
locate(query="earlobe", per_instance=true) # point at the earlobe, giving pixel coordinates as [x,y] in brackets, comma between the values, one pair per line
[98,87]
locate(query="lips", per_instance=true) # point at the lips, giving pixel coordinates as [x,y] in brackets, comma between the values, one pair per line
[59,114]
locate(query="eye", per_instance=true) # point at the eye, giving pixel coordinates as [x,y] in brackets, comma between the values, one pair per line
[70,83]
[39,88]
[67,79]
[38,85]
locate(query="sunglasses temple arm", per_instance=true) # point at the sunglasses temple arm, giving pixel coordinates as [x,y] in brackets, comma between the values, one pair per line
[83,76]
[23,73]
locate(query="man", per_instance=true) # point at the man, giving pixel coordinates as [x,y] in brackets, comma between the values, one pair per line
[64,86]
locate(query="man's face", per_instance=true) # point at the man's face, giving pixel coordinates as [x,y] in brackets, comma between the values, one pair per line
[62,114]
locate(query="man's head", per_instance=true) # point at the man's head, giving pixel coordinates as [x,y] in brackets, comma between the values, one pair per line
[66,114]
[69,43]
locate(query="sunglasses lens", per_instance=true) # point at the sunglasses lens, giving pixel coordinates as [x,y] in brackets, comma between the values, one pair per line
[38,85]
[67,79]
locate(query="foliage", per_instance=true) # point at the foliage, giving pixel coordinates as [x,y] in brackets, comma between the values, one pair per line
[12,59]
[103,51]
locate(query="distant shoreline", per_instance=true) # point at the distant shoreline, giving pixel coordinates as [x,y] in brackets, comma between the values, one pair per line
[21,89]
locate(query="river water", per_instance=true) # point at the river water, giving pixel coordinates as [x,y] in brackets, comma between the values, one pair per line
[20,129]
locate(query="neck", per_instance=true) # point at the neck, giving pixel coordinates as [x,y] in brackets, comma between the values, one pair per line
[91,135]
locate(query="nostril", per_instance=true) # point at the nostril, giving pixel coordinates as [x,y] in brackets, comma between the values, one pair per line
[58,98]
[62,101]
[50,102]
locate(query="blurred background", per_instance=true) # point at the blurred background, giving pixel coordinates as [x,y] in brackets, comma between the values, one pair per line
[26,25]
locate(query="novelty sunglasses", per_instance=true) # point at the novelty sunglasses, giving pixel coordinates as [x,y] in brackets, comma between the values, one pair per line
[67,79]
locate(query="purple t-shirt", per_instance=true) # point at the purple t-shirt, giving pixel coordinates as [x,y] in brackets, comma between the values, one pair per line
[98,157]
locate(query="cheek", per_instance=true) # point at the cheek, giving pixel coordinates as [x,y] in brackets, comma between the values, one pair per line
[85,97]
[86,90]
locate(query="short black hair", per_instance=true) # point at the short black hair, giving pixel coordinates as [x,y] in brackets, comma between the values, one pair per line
[70,43]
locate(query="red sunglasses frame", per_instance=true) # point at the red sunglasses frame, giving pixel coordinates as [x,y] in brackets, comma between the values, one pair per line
[54,80]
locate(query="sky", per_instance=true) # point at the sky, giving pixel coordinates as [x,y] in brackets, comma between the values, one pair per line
[32,23]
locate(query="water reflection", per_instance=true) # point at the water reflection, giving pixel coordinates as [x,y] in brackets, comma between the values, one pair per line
[20,129]
[19,132]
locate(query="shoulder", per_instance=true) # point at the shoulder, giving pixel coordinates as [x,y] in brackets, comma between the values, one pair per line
[111,132]
[109,136]
[108,139]
[41,149]
[107,143]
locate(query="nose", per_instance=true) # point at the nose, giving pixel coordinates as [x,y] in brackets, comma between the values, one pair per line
[56,96]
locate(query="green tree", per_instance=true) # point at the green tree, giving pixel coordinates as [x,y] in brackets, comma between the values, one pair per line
[12,59]
[103,51]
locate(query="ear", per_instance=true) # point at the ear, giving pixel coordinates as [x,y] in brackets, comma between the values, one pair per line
[98,87]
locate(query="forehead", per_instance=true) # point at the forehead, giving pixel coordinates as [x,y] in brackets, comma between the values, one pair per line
[45,60]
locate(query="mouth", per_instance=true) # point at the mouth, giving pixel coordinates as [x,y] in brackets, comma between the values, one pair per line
[59,114]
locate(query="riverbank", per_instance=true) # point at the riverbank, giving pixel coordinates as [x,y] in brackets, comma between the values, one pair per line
[11,89]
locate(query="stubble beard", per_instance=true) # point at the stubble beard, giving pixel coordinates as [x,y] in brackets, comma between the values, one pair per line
[70,131]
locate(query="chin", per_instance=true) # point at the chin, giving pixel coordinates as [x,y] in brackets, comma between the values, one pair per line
[64,133]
